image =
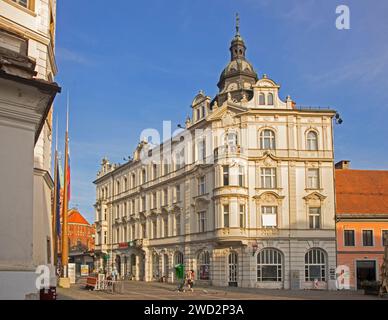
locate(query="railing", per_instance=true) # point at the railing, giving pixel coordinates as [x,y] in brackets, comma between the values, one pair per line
[226,150]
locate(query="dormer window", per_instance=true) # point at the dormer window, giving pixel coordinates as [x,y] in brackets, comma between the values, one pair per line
[262,99]
[270,99]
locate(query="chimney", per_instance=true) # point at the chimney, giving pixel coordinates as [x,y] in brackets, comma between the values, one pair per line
[343,164]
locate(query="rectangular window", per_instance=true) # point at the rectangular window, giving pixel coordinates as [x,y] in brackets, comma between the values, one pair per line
[314,218]
[105,237]
[241,176]
[269,216]
[313,178]
[242,215]
[384,237]
[178,193]
[165,167]
[125,234]
[226,175]
[202,150]
[165,197]
[349,238]
[143,203]
[268,178]
[24,3]
[144,230]
[202,221]
[165,227]
[154,229]
[154,200]
[201,185]
[154,170]
[117,235]
[133,232]
[178,225]
[367,238]
[226,215]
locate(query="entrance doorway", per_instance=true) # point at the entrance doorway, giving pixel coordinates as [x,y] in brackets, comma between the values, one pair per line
[366,271]
[233,267]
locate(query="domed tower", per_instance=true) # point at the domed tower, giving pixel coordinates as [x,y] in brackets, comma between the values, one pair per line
[238,76]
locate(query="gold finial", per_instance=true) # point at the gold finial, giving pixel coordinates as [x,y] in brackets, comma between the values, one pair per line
[237,24]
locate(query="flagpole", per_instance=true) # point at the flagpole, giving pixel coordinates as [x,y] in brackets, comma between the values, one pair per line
[55,202]
[65,281]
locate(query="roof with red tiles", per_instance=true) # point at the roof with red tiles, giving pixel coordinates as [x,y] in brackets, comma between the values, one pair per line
[74,216]
[361,191]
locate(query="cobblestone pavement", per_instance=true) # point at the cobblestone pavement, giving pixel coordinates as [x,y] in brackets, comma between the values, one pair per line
[137,290]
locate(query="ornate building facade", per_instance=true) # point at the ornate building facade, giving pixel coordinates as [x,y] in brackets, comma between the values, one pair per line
[244,195]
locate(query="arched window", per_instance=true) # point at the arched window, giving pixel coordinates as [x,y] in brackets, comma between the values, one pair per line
[267,139]
[270,99]
[261,99]
[118,186]
[269,265]
[178,257]
[315,265]
[133,180]
[125,184]
[204,265]
[312,141]
[233,267]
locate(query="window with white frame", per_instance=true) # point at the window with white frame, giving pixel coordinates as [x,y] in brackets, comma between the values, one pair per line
[269,265]
[367,238]
[267,139]
[312,141]
[201,185]
[202,221]
[268,178]
[242,216]
[204,265]
[226,215]
[269,216]
[313,178]
[202,150]
[315,265]
[314,217]
[384,237]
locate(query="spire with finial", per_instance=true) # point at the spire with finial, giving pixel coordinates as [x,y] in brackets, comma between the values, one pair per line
[237,24]
[237,48]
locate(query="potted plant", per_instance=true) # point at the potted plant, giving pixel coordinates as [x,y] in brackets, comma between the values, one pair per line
[371,287]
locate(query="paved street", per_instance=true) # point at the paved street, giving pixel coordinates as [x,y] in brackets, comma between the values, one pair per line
[134,290]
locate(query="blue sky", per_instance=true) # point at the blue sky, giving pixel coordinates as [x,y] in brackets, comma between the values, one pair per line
[129,65]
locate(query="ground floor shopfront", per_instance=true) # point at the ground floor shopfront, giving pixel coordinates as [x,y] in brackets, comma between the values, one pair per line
[274,264]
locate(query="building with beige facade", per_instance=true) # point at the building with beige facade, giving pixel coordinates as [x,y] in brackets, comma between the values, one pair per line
[244,195]
[27,91]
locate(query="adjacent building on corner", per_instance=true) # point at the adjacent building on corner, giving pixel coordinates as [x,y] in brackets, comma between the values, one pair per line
[27,91]
[362,221]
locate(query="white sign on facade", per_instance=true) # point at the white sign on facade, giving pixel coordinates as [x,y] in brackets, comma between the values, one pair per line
[71,272]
